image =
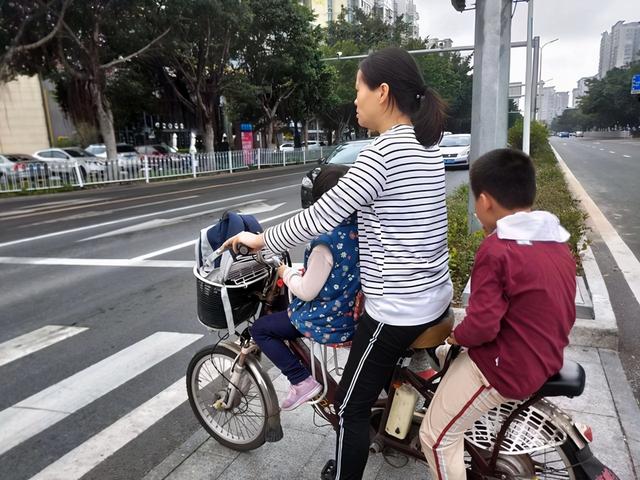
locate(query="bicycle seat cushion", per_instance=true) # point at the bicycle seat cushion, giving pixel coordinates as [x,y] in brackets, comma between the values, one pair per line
[435,335]
[568,382]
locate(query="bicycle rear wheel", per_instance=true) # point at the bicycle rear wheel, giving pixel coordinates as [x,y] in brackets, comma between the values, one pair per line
[242,424]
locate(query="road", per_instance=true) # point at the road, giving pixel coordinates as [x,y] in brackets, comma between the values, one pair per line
[97,318]
[609,171]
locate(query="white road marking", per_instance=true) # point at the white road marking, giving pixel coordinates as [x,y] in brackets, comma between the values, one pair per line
[97,213]
[610,151]
[624,257]
[96,262]
[626,156]
[31,342]
[193,242]
[602,149]
[137,217]
[102,202]
[51,405]
[91,453]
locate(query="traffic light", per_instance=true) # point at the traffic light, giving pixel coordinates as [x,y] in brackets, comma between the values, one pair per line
[459,5]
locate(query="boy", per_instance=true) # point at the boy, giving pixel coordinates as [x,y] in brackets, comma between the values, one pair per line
[520,312]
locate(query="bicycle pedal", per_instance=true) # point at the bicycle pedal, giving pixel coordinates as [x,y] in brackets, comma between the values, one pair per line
[328,471]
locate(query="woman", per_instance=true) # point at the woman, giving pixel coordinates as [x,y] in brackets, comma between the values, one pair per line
[397,188]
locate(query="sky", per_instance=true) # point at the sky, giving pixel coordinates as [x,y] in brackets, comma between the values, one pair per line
[578,25]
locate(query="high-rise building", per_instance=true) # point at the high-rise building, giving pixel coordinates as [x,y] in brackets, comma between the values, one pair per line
[552,104]
[580,91]
[619,47]
[328,10]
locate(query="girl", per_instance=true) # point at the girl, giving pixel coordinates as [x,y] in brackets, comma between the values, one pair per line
[397,188]
[324,303]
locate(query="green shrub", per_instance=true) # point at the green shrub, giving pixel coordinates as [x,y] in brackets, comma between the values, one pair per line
[462,244]
[539,137]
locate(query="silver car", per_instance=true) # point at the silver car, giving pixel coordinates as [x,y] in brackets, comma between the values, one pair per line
[62,161]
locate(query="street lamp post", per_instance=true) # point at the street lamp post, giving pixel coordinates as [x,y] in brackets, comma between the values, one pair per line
[539,79]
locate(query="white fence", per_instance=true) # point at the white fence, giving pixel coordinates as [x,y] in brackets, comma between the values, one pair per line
[52,175]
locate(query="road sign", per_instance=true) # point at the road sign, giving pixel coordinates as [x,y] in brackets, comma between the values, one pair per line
[635,85]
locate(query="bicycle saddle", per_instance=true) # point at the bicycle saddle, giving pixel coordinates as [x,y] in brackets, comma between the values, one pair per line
[568,382]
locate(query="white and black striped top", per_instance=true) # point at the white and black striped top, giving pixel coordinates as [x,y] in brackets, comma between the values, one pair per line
[397,186]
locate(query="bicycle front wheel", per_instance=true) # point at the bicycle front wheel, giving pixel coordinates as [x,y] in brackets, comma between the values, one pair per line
[239,424]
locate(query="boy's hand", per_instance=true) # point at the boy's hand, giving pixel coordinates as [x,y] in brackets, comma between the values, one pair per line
[281,270]
[451,340]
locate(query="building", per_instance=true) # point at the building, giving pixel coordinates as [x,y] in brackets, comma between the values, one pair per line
[439,42]
[580,91]
[328,10]
[619,47]
[552,104]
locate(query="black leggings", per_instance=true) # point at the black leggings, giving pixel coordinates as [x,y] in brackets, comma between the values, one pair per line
[375,351]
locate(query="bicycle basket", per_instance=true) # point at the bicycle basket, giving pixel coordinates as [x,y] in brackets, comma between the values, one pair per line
[230,297]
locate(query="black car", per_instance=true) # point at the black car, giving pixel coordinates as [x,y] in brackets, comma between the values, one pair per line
[344,154]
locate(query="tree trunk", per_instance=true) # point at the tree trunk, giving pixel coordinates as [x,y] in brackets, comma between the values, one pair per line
[209,136]
[105,121]
[270,132]
[305,133]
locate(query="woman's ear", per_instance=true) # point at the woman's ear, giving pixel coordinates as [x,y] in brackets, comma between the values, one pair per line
[383,94]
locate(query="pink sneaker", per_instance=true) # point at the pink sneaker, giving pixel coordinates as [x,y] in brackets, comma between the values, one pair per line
[301,393]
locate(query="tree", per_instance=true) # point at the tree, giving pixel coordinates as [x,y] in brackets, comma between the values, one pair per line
[26,26]
[609,101]
[96,41]
[572,119]
[207,35]
[280,54]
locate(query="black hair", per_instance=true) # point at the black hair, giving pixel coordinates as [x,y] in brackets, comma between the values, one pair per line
[327,179]
[508,175]
[407,91]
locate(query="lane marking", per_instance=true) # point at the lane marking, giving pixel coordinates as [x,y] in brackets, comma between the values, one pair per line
[624,257]
[96,262]
[33,415]
[626,156]
[610,151]
[31,342]
[100,202]
[137,217]
[193,242]
[94,451]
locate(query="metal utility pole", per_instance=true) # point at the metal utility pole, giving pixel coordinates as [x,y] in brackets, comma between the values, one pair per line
[534,76]
[528,87]
[492,58]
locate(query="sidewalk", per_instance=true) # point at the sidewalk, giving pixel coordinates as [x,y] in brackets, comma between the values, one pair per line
[606,405]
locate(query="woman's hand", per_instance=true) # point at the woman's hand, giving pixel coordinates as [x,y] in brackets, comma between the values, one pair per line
[254,242]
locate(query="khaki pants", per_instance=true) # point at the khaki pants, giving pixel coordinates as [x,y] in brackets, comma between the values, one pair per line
[464,395]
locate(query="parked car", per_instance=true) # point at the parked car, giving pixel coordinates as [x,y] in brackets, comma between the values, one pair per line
[17,167]
[455,150]
[62,161]
[579,133]
[563,134]
[127,155]
[286,147]
[159,149]
[313,145]
[344,154]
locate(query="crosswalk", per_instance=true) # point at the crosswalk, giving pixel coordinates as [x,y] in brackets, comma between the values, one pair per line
[27,419]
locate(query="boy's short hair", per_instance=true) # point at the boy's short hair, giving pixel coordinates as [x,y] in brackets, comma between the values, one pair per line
[507,175]
[327,179]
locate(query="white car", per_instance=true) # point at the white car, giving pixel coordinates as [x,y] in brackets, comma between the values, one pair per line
[286,147]
[312,145]
[127,155]
[455,150]
[62,161]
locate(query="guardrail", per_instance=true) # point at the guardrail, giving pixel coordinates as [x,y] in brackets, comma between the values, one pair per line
[147,168]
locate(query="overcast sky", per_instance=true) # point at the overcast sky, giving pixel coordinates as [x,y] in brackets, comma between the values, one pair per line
[577,24]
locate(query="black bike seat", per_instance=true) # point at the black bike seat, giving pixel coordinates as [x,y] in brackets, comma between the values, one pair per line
[568,382]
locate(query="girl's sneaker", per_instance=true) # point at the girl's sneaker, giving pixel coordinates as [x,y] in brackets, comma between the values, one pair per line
[300,393]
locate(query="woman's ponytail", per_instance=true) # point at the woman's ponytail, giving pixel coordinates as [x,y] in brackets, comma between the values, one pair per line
[429,120]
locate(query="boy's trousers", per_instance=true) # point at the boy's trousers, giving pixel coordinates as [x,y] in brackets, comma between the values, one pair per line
[463,396]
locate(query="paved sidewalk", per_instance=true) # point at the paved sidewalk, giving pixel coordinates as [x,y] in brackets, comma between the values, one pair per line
[607,405]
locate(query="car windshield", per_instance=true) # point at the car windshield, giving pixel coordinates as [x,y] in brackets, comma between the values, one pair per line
[75,152]
[161,149]
[346,153]
[455,141]
[125,149]
[97,150]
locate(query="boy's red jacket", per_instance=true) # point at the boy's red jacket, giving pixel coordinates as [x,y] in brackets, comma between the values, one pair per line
[521,309]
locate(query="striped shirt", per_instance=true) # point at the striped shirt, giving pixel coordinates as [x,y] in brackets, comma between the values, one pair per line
[397,186]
